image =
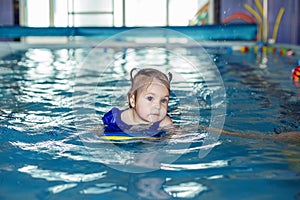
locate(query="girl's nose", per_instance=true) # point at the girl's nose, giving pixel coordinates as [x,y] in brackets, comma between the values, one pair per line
[157,106]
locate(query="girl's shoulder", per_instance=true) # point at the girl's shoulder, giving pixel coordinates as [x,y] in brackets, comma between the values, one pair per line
[112,120]
[167,121]
[111,115]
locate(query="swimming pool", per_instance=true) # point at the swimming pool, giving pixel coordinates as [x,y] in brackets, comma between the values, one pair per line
[52,99]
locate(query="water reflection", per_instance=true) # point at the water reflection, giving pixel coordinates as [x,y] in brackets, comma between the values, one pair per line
[143,186]
[39,87]
[50,175]
[268,89]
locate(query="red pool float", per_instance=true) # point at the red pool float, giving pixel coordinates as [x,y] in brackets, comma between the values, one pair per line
[296,75]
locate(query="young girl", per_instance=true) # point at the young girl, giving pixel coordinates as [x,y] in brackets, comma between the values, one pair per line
[148,104]
[148,100]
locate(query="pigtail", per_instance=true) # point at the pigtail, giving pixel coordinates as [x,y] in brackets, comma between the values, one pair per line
[136,70]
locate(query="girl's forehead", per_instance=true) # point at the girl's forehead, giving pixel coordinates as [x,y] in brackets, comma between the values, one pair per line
[155,86]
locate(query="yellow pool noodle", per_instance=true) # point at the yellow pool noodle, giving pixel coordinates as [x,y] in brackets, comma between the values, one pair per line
[259,6]
[257,17]
[277,22]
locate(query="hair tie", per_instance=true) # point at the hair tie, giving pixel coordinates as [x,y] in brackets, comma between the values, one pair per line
[170,76]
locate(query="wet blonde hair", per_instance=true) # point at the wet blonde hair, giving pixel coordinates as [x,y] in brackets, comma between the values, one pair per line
[144,77]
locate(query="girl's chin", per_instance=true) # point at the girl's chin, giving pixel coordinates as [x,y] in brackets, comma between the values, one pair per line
[154,118]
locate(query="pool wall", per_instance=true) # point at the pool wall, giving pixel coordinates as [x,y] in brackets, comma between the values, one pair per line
[242,11]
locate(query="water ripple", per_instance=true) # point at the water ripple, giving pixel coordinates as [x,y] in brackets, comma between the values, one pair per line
[212,164]
[50,175]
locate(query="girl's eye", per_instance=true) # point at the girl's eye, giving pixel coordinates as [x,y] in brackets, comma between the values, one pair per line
[149,98]
[164,100]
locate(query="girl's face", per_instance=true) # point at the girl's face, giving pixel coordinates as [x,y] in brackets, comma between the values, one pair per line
[151,103]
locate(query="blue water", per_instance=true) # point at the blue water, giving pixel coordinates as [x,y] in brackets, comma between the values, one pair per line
[52,100]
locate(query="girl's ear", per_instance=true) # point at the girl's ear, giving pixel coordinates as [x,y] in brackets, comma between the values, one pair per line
[132,101]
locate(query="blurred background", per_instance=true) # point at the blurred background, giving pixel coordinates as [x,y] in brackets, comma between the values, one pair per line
[279,19]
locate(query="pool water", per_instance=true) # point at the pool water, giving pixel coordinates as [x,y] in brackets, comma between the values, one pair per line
[52,100]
